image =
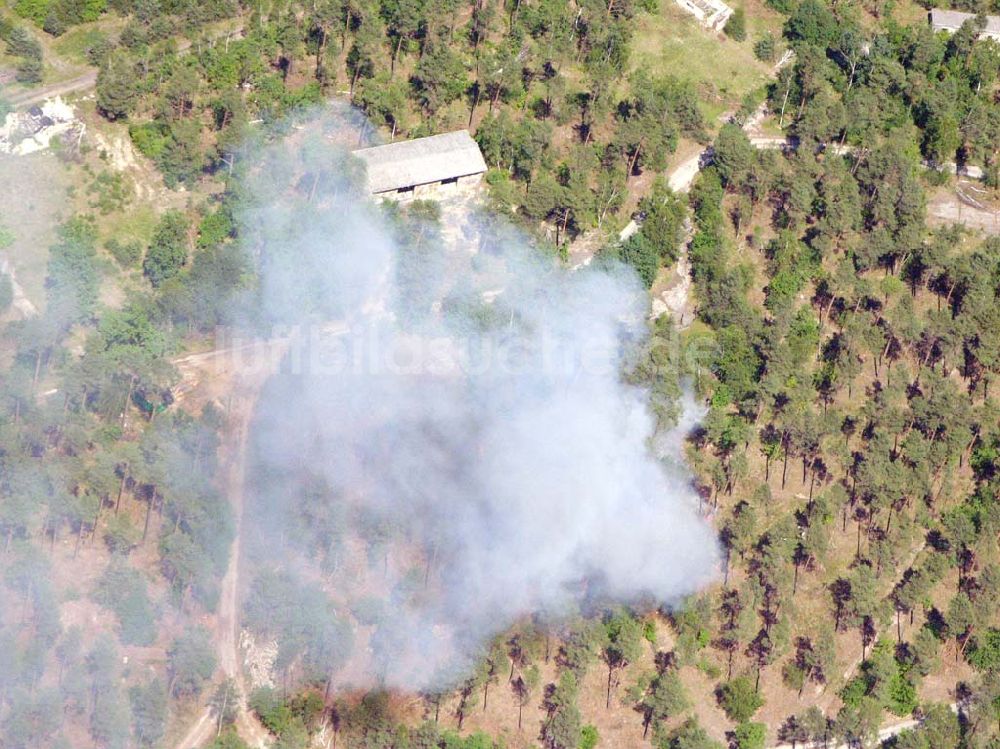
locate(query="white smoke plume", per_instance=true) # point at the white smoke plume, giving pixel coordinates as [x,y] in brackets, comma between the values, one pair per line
[468,452]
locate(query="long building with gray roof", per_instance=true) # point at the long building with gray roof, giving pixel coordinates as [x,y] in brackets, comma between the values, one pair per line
[429,167]
[952,20]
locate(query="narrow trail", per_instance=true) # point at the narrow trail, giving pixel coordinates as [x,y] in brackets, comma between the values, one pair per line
[199,733]
[247,724]
[234,374]
[227,641]
[238,372]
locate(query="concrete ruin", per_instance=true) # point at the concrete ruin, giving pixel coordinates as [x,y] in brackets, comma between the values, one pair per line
[26,132]
[712,14]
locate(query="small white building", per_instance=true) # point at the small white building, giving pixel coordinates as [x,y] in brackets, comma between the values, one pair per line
[432,167]
[712,14]
[952,20]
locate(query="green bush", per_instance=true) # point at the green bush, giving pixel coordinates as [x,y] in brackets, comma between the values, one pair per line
[984,655]
[111,193]
[649,631]
[589,737]
[901,695]
[736,26]
[126,254]
[33,10]
[750,736]
[6,292]
[30,71]
[739,699]
[854,691]
[24,46]
[120,536]
[167,252]
[271,709]
[122,589]
[765,48]
[215,228]
[708,668]
[369,610]
[783,6]
[150,138]
[191,662]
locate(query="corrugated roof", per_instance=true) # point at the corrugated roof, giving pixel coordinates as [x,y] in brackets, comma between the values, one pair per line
[421,161]
[952,20]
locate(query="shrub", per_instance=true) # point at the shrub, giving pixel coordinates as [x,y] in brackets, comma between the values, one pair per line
[854,691]
[191,662]
[120,536]
[122,589]
[126,254]
[750,736]
[150,138]
[6,292]
[111,193]
[29,70]
[649,631]
[167,253]
[736,26]
[215,228]
[33,10]
[765,48]
[589,737]
[739,699]
[984,655]
[901,696]
[271,709]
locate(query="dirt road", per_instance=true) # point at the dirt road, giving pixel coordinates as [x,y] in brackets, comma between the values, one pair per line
[683,175]
[233,374]
[236,375]
[88,80]
[884,733]
[226,639]
[34,96]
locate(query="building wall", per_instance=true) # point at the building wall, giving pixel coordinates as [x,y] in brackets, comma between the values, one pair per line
[435,190]
[951,30]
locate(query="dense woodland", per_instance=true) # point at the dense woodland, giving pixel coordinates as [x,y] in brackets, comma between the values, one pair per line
[850,457]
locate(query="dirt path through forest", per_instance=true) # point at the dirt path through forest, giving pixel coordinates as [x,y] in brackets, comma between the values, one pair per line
[88,80]
[33,96]
[227,641]
[235,376]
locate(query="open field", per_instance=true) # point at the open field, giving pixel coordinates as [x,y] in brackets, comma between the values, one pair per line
[671,42]
[74,43]
[968,203]
[32,203]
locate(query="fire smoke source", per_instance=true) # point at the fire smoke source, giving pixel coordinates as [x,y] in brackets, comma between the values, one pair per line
[468,452]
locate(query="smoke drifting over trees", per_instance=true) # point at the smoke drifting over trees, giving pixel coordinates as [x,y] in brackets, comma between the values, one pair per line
[466,454]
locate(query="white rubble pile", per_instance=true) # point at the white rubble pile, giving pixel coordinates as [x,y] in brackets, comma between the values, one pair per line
[33,130]
[258,660]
